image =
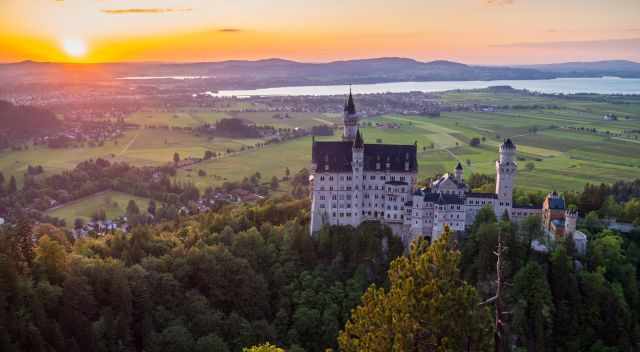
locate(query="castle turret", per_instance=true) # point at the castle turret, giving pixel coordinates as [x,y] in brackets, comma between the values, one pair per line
[357,166]
[570,220]
[350,119]
[459,172]
[506,169]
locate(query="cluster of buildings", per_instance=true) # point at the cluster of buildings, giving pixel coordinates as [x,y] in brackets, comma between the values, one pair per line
[355,182]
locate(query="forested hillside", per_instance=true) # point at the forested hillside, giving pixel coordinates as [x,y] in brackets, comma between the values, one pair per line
[25,120]
[251,274]
[217,282]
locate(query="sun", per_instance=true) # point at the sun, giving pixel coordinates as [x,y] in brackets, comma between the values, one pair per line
[74,47]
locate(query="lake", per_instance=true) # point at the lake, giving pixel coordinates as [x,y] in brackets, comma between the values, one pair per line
[602,85]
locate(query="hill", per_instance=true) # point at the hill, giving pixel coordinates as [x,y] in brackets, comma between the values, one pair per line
[270,72]
[619,68]
[279,72]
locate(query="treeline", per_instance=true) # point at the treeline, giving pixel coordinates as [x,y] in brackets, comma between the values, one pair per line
[322,130]
[558,300]
[89,177]
[24,121]
[216,282]
[235,128]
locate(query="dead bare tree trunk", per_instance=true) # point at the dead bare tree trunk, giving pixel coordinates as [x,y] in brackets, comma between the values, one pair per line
[499,334]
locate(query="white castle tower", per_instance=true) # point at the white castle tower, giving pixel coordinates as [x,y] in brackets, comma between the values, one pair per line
[350,120]
[459,173]
[506,169]
[570,219]
[357,165]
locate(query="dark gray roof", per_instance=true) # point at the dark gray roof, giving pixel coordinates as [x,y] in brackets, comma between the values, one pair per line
[459,167]
[338,155]
[481,195]
[509,144]
[458,184]
[442,198]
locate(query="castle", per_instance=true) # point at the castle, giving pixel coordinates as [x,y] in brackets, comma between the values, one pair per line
[353,182]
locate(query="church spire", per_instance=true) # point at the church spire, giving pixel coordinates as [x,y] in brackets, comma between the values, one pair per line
[358,143]
[350,107]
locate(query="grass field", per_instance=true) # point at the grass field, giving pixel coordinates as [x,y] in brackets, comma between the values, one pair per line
[114,204]
[142,147]
[564,158]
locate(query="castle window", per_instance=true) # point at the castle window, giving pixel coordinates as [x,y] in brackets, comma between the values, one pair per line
[321,178]
[330,178]
[373,177]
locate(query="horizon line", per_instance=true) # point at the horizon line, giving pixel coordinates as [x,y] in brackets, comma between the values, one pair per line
[159,62]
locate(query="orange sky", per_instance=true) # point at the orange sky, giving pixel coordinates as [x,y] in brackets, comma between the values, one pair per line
[471,31]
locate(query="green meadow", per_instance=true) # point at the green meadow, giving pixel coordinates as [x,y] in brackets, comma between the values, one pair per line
[142,147]
[113,203]
[564,154]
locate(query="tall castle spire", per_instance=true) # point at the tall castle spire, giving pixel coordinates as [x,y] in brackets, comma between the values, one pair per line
[350,119]
[349,106]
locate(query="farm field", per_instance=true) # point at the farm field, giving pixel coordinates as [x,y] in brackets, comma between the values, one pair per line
[194,117]
[113,203]
[558,141]
[563,158]
[142,147]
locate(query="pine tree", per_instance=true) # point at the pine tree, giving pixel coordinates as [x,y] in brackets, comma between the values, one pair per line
[13,187]
[427,307]
[533,307]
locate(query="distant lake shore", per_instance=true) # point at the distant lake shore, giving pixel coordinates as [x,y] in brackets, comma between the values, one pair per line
[600,85]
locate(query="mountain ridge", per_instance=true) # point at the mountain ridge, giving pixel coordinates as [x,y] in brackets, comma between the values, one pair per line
[273,72]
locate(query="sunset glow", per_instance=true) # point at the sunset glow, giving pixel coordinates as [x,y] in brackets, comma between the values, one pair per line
[472,31]
[74,47]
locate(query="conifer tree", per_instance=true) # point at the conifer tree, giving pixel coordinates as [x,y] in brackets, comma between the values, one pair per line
[428,307]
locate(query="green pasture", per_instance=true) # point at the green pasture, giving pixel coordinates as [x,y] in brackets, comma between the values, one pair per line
[564,158]
[141,147]
[113,203]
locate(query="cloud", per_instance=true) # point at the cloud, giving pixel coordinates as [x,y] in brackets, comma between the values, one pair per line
[499,2]
[229,30]
[152,10]
[586,44]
